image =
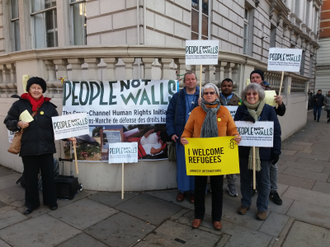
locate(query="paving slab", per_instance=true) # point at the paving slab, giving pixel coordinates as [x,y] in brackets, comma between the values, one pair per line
[3,244]
[274,224]
[149,208]
[312,161]
[83,213]
[10,216]
[305,235]
[306,174]
[294,146]
[16,192]
[311,213]
[295,181]
[82,240]
[176,235]
[8,181]
[170,196]
[111,199]
[304,166]
[5,171]
[36,233]
[323,157]
[323,187]
[120,230]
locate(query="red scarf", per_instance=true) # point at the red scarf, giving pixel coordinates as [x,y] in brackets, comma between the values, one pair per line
[35,103]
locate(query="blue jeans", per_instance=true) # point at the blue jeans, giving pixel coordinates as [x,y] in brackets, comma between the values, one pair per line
[262,180]
[317,109]
[273,177]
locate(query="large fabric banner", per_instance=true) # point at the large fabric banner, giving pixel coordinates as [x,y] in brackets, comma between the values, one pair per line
[120,111]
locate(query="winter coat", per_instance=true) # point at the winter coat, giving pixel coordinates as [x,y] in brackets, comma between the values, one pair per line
[234,101]
[268,114]
[175,126]
[327,103]
[317,100]
[38,138]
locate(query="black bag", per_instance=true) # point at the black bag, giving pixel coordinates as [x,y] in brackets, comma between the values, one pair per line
[67,187]
[171,152]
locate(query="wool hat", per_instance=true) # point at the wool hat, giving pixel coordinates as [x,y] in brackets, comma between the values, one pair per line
[258,71]
[36,80]
[212,85]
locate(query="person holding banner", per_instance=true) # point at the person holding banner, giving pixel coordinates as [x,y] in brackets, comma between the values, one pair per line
[210,119]
[228,98]
[37,143]
[254,109]
[257,76]
[177,114]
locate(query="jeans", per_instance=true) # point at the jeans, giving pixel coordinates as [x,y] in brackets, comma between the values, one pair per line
[217,196]
[273,177]
[262,180]
[231,178]
[317,109]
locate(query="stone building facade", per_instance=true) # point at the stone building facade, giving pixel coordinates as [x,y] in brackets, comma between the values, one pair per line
[129,39]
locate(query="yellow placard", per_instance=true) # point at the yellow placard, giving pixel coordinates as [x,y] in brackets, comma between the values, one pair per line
[25,117]
[211,156]
[269,97]
[25,78]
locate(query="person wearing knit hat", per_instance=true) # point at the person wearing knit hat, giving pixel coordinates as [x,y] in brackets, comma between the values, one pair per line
[36,80]
[257,76]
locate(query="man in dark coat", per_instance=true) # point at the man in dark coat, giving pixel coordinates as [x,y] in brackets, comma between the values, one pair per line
[177,114]
[317,102]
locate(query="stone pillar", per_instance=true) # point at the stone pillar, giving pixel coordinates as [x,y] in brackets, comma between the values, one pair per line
[62,72]
[76,70]
[128,67]
[109,74]
[167,72]
[93,69]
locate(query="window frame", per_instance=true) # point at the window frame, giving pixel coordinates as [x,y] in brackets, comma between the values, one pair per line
[201,17]
[15,31]
[73,40]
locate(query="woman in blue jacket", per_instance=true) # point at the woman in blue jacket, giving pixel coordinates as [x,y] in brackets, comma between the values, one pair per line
[254,109]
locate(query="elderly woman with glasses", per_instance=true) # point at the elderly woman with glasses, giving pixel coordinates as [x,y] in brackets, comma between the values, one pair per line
[210,119]
[254,109]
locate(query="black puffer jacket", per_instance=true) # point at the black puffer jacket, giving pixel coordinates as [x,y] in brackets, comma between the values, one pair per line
[38,138]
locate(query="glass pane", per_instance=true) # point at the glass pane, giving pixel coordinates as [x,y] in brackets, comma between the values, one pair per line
[194,36]
[38,5]
[39,30]
[14,9]
[205,7]
[246,14]
[17,36]
[79,24]
[194,21]
[205,25]
[49,20]
[195,4]
[50,39]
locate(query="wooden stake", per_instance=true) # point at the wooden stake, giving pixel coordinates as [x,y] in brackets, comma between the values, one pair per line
[75,158]
[200,80]
[254,167]
[279,92]
[122,180]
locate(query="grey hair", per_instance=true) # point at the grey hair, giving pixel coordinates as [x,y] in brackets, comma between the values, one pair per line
[213,86]
[254,87]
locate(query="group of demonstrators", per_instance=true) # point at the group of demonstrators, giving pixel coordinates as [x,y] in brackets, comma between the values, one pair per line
[188,117]
[318,100]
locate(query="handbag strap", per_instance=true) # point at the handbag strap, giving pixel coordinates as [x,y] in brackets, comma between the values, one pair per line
[176,108]
[34,113]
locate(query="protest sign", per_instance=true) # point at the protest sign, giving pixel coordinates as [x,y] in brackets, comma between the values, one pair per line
[67,126]
[270,97]
[135,108]
[202,52]
[232,110]
[123,152]
[282,59]
[211,156]
[258,134]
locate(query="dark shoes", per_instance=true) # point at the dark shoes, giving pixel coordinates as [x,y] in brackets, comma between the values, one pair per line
[275,198]
[180,197]
[217,225]
[53,207]
[192,198]
[196,223]
[28,211]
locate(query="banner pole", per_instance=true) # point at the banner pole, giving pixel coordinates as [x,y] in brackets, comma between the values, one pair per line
[279,92]
[254,167]
[122,180]
[200,80]
[75,158]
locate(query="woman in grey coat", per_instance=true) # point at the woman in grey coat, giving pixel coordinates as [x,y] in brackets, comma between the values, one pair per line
[327,106]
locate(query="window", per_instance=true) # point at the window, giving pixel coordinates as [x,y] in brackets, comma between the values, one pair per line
[78,22]
[15,36]
[302,65]
[44,23]
[199,19]
[272,36]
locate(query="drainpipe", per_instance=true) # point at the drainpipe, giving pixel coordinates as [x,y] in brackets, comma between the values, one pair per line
[138,21]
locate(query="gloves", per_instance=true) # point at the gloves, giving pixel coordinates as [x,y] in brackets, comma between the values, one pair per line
[249,118]
[275,158]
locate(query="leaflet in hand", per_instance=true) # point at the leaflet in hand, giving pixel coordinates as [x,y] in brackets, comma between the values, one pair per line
[25,117]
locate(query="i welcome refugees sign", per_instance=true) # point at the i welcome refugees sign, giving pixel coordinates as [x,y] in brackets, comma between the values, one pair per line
[131,110]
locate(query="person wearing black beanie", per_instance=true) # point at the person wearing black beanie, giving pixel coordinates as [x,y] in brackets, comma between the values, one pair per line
[36,80]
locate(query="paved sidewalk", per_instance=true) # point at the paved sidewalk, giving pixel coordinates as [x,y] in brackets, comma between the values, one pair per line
[155,219]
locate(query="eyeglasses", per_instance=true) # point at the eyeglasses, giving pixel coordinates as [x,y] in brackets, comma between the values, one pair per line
[206,93]
[252,94]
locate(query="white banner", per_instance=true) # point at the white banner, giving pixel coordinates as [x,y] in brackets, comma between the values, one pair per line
[73,125]
[119,102]
[258,134]
[232,109]
[202,52]
[282,59]
[123,152]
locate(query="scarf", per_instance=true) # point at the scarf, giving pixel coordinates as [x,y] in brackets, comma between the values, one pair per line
[255,111]
[210,126]
[35,103]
